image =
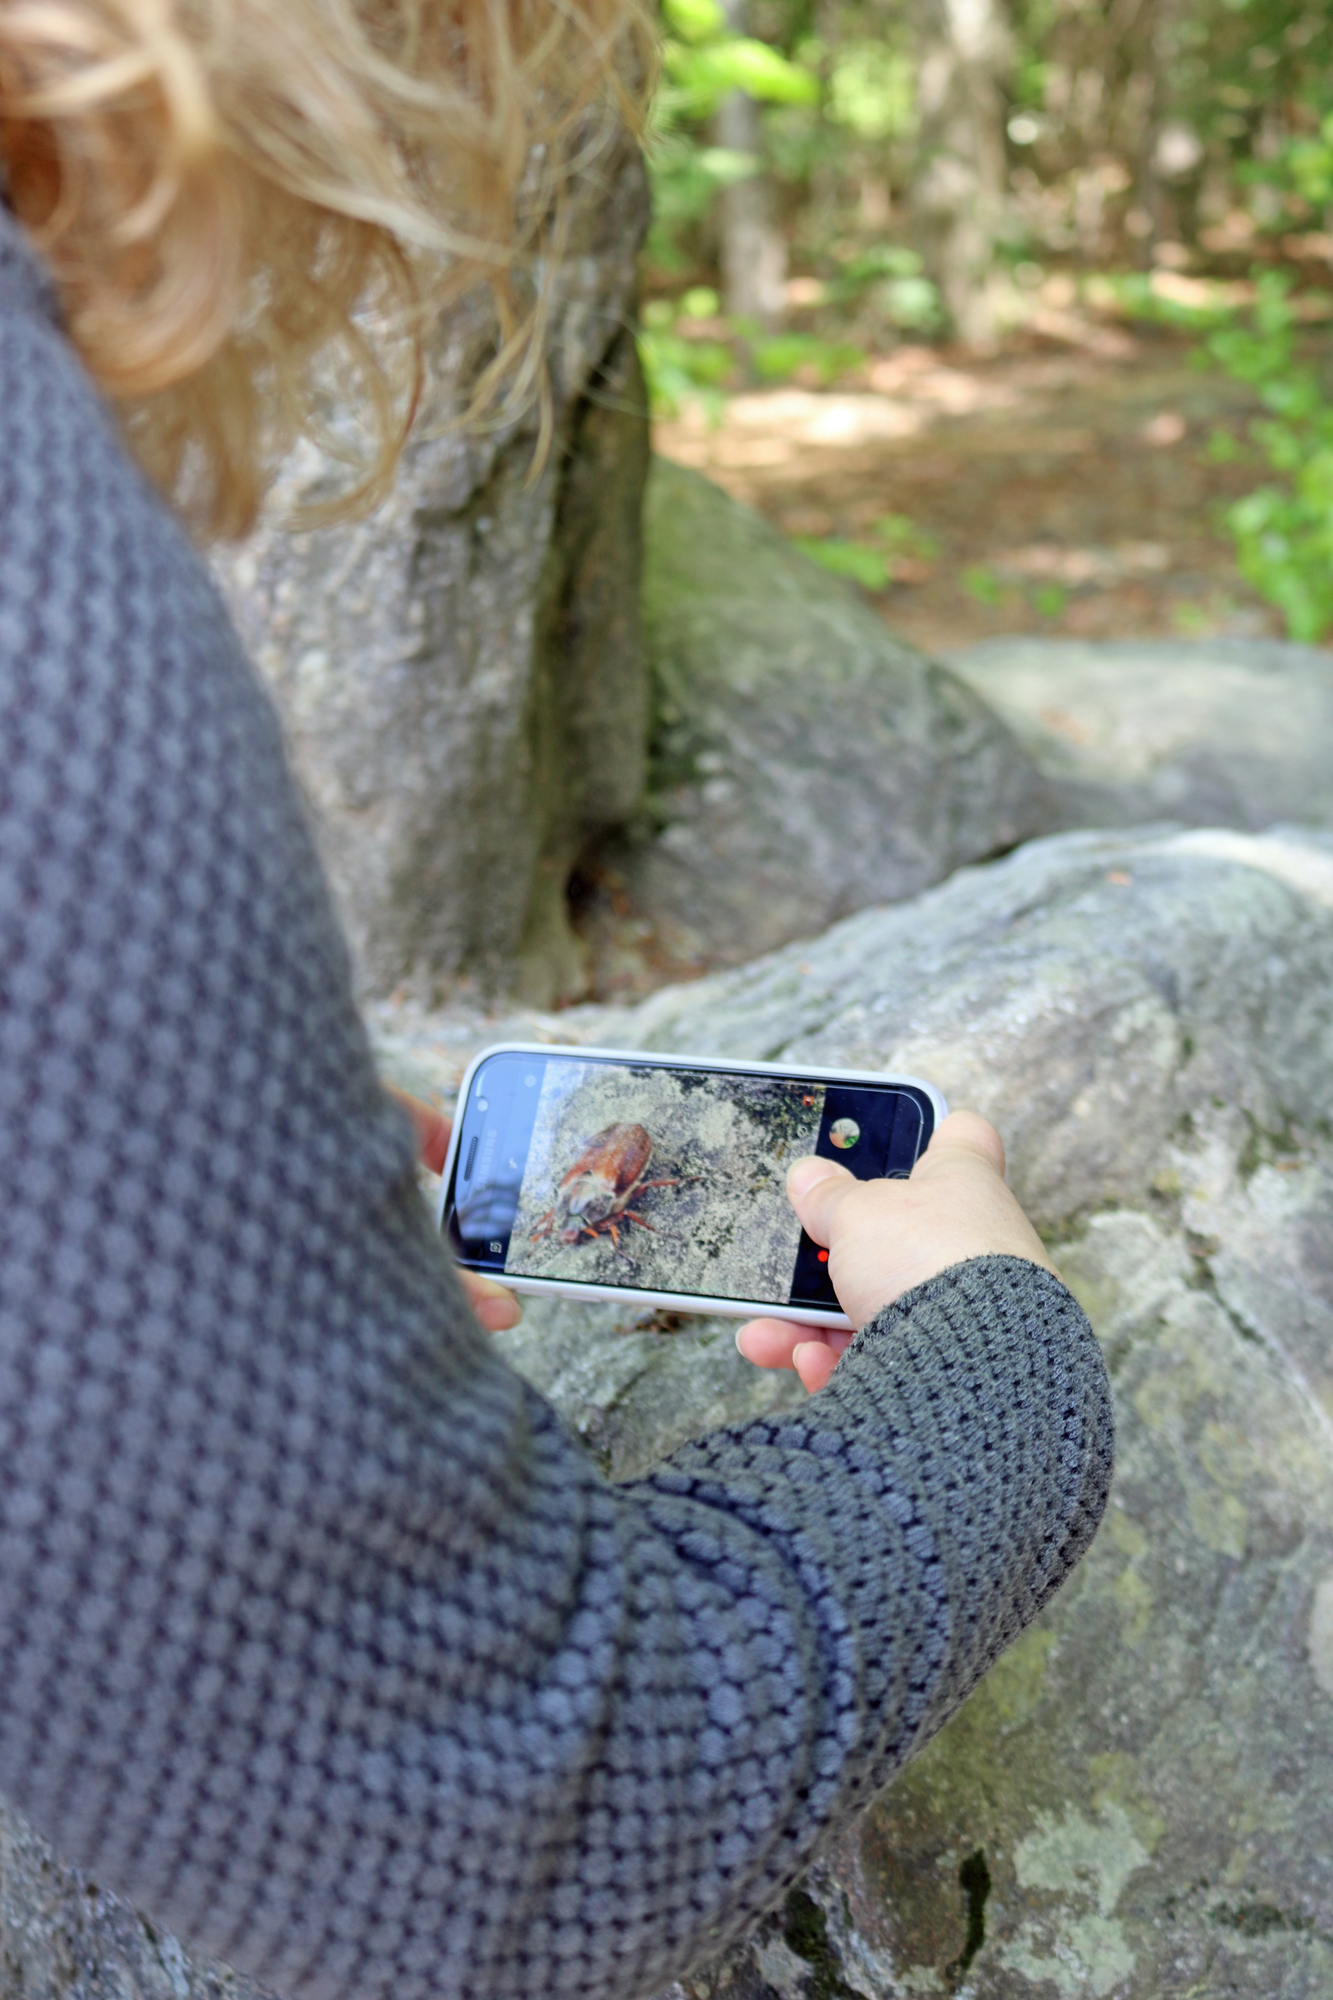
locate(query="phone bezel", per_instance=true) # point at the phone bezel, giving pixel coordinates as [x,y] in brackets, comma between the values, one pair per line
[688,1302]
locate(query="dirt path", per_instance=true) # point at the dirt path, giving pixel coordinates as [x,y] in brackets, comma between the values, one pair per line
[1059,488]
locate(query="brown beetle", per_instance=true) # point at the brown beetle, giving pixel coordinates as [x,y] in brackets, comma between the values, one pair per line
[595,1195]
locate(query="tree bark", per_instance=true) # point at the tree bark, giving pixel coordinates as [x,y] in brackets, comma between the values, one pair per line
[753,248]
[958,194]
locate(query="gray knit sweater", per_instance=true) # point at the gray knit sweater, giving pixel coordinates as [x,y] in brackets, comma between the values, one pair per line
[320,1638]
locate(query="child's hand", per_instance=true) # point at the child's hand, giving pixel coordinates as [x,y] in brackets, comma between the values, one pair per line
[431,1127]
[495,1307]
[884,1237]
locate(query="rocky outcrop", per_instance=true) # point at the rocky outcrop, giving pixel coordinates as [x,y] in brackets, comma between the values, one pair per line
[63,1937]
[1213,732]
[460,676]
[469,710]
[1138,1801]
[804,762]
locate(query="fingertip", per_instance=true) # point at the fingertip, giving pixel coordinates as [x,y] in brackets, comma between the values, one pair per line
[500,1314]
[814,1362]
[811,1168]
[429,1124]
[766,1343]
[493,1305]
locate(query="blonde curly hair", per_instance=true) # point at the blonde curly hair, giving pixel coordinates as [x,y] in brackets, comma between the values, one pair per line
[253,209]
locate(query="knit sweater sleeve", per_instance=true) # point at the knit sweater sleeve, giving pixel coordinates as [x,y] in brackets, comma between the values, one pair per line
[320,1639]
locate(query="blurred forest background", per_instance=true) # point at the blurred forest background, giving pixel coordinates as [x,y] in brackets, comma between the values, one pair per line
[1017,311]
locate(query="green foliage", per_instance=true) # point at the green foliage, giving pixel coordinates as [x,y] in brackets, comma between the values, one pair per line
[702,75]
[983,584]
[1223,448]
[872,566]
[694,21]
[1284,530]
[902,537]
[678,368]
[685,179]
[691,353]
[865,566]
[1050,599]
[913,304]
[1310,165]
[702,60]
[779,356]
[883,260]
[1242,88]
[1137,294]
[890,278]
[872,90]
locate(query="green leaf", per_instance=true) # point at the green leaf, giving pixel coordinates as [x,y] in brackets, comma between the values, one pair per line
[1050,599]
[1284,533]
[983,584]
[724,165]
[864,566]
[872,90]
[695,20]
[708,73]
[904,538]
[1223,448]
[912,303]
[680,371]
[778,356]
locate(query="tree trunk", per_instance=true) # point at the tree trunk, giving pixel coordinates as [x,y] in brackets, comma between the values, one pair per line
[958,194]
[754,250]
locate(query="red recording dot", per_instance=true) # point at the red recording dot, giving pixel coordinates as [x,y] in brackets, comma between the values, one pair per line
[823,1256]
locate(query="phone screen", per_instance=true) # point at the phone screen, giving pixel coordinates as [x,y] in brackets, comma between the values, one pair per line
[600,1171]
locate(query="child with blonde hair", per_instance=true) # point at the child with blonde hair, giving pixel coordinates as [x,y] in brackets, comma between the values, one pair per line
[320,1638]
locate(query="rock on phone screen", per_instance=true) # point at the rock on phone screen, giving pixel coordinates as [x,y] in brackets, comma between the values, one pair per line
[599,1171]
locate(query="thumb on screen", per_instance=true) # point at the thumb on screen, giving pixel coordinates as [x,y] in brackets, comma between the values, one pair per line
[815,1188]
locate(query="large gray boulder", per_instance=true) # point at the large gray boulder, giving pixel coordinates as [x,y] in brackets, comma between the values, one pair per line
[460,675]
[804,762]
[1214,732]
[1138,1801]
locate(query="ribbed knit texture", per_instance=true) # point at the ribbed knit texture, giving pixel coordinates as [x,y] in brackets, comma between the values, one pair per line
[320,1639]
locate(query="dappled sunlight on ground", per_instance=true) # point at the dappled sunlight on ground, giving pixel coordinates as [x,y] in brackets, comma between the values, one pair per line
[1071,484]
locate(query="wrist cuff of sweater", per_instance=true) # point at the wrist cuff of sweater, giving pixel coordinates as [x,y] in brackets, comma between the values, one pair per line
[978,1283]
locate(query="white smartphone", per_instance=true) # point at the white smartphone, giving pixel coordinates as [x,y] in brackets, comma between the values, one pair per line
[611,1174]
